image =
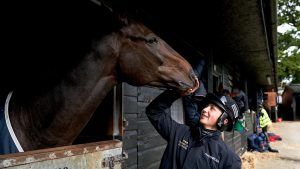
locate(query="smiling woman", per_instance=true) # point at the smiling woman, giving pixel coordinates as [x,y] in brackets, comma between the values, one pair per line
[45,112]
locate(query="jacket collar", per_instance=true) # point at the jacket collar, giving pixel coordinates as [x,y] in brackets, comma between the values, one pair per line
[202,134]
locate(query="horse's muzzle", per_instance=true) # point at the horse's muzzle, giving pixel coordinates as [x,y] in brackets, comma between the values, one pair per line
[192,87]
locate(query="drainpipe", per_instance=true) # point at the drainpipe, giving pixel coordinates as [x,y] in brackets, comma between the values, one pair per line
[261,5]
[273,13]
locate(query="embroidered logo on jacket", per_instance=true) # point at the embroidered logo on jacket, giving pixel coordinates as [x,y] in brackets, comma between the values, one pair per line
[213,158]
[183,143]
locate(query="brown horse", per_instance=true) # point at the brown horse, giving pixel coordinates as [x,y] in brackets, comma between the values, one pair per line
[132,54]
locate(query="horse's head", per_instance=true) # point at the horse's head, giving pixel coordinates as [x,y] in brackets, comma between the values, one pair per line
[146,59]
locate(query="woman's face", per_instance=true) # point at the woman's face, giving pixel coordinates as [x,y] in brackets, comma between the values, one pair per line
[209,116]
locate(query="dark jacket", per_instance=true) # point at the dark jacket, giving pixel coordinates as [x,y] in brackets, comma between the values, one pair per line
[242,101]
[188,148]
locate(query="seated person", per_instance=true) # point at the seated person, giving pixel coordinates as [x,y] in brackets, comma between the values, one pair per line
[258,142]
[265,122]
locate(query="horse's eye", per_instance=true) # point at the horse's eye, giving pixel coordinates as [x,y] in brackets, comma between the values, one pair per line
[152,40]
[133,38]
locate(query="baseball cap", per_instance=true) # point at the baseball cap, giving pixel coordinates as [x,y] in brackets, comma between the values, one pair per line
[225,103]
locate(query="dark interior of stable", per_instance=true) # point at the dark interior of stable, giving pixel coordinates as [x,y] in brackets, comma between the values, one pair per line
[42,45]
[100,127]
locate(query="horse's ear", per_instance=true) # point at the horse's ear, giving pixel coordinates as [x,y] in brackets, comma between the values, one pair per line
[123,19]
[120,10]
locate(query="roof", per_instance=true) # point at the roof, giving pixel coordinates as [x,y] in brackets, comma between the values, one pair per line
[295,87]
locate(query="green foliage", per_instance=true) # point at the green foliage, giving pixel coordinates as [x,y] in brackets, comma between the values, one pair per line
[289,41]
[289,66]
[287,12]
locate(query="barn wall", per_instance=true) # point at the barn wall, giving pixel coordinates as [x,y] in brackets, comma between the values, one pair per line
[140,140]
[142,143]
[238,141]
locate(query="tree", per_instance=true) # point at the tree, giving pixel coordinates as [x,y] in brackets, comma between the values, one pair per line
[289,40]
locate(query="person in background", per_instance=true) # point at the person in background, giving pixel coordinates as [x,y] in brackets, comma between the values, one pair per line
[220,91]
[226,93]
[242,101]
[259,141]
[200,145]
[239,125]
[265,122]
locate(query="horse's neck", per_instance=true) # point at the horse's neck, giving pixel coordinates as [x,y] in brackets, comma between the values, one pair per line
[84,89]
[69,105]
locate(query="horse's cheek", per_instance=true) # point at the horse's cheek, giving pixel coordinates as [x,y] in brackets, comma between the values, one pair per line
[129,72]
